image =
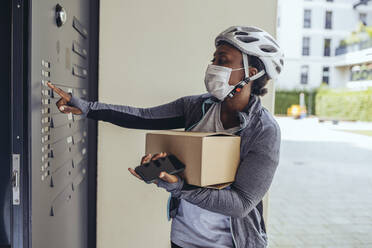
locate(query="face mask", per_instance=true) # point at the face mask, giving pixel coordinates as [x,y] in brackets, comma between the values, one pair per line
[217,80]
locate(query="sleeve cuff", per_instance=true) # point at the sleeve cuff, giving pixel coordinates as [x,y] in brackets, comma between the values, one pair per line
[82,104]
[173,188]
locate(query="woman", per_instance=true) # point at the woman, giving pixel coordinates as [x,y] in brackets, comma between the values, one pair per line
[245,59]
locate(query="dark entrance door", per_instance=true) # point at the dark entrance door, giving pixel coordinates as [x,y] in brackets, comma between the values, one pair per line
[5,123]
[52,159]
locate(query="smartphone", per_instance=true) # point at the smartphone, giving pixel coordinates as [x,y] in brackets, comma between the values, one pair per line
[150,171]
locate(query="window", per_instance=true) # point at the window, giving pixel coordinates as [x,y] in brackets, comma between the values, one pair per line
[325,78]
[327,47]
[307,18]
[363,18]
[306,46]
[304,74]
[328,20]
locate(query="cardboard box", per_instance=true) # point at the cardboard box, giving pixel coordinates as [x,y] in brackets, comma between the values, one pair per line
[211,158]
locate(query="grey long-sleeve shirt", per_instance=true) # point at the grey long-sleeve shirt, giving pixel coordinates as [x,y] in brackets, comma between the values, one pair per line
[259,157]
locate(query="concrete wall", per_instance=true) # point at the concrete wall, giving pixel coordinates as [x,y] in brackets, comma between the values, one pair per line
[152,52]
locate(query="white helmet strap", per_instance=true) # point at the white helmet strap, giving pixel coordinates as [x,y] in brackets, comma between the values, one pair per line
[257,75]
[246,70]
[245,64]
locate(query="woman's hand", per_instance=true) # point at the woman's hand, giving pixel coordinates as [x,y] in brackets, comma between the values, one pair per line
[62,103]
[163,175]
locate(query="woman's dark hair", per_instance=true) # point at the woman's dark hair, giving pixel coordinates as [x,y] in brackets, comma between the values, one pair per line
[258,85]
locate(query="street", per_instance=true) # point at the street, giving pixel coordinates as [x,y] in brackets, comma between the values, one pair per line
[321,195]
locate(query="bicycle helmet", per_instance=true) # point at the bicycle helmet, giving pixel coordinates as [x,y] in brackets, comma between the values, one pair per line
[256,42]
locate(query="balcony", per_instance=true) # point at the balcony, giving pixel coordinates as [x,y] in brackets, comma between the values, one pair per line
[354,47]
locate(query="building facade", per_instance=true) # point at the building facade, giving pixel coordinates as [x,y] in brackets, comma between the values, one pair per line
[309,31]
[353,62]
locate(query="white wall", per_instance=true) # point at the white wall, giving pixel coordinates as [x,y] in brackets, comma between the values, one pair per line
[152,52]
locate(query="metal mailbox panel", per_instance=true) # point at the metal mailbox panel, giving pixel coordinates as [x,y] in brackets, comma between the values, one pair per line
[59,54]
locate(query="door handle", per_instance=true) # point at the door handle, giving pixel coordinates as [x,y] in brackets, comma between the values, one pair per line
[15,178]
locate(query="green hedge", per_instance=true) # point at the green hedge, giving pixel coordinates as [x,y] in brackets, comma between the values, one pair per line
[344,104]
[286,98]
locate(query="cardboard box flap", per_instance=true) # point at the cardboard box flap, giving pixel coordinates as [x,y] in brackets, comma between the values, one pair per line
[192,133]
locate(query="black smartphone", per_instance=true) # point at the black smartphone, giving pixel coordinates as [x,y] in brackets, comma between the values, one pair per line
[150,171]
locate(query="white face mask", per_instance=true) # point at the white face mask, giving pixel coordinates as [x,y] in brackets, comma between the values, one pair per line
[217,80]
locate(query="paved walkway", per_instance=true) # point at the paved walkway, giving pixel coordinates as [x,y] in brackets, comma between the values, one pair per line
[321,195]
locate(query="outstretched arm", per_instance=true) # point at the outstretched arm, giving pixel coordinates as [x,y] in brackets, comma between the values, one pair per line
[165,116]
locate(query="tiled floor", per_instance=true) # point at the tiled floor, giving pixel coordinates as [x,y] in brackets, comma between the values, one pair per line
[321,195]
